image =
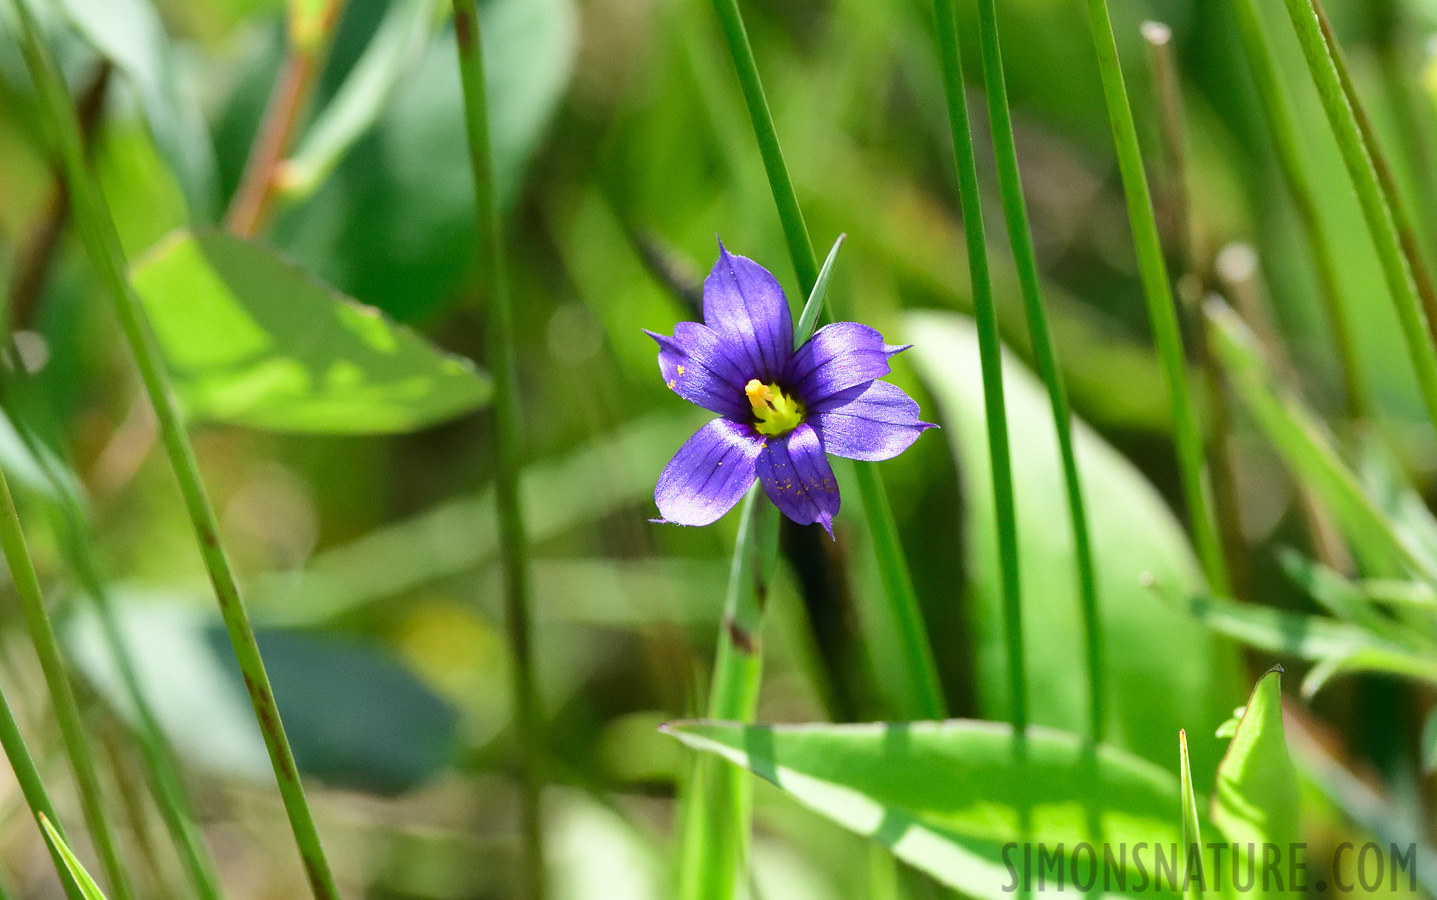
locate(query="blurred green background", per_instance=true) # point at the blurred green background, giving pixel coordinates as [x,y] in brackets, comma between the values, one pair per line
[622,150]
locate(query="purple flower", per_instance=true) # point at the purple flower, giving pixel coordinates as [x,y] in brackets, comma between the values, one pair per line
[781,410]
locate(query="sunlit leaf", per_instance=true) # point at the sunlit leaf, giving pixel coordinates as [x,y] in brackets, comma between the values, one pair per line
[948,797]
[252,340]
[1152,650]
[1192,867]
[1255,802]
[1278,630]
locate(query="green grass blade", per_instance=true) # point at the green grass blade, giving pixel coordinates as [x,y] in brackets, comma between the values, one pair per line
[62,694]
[1356,155]
[1045,351]
[813,309]
[950,61]
[32,787]
[1301,440]
[1192,878]
[88,887]
[1158,291]
[1287,142]
[97,229]
[714,836]
[513,541]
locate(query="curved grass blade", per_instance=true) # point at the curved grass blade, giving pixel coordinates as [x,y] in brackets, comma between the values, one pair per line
[1159,293]
[813,309]
[97,228]
[1376,210]
[1045,351]
[1303,443]
[1192,831]
[88,887]
[1380,660]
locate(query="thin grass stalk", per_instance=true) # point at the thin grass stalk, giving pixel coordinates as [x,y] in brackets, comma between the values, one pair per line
[1194,274]
[260,182]
[950,61]
[1286,141]
[33,788]
[513,545]
[1045,352]
[921,673]
[70,523]
[1159,293]
[1375,209]
[714,839]
[62,695]
[1407,233]
[97,230]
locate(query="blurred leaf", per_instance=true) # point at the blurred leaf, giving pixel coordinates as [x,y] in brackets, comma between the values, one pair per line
[1152,651]
[395,225]
[391,55]
[145,200]
[947,797]
[1429,742]
[596,855]
[1307,448]
[129,34]
[254,341]
[1342,598]
[355,717]
[88,887]
[597,479]
[1255,802]
[1277,630]
[1382,660]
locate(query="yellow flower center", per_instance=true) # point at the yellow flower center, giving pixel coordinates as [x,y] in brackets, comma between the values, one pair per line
[777,413]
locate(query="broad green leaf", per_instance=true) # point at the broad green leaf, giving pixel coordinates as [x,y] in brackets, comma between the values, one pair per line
[88,887]
[1153,651]
[130,35]
[252,340]
[1307,448]
[392,54]
[394,225]
[1255,801]
[948,797]
[355,717]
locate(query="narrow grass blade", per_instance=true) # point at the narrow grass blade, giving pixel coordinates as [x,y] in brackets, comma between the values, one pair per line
[88,887]
[1356,155]
[1159,294]
[1380,660]
[513,542]
[813,309]
[990,353]
[714,838]
[1303,443]
[1287,142]
[1192,831]
[1045,351]
[32,787]
[97,229]
[62,694]
[1307,637]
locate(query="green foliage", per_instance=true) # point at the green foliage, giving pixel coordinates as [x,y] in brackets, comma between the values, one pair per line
[254,341]
[1134,534]
[946,797]
[88,887]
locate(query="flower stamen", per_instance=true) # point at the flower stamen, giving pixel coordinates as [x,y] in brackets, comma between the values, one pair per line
[776,412]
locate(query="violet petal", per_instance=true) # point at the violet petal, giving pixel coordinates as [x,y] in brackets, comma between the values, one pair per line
[699,365]
[744,303]
[880,423]
[798,479]
[837,358]
[710,473]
